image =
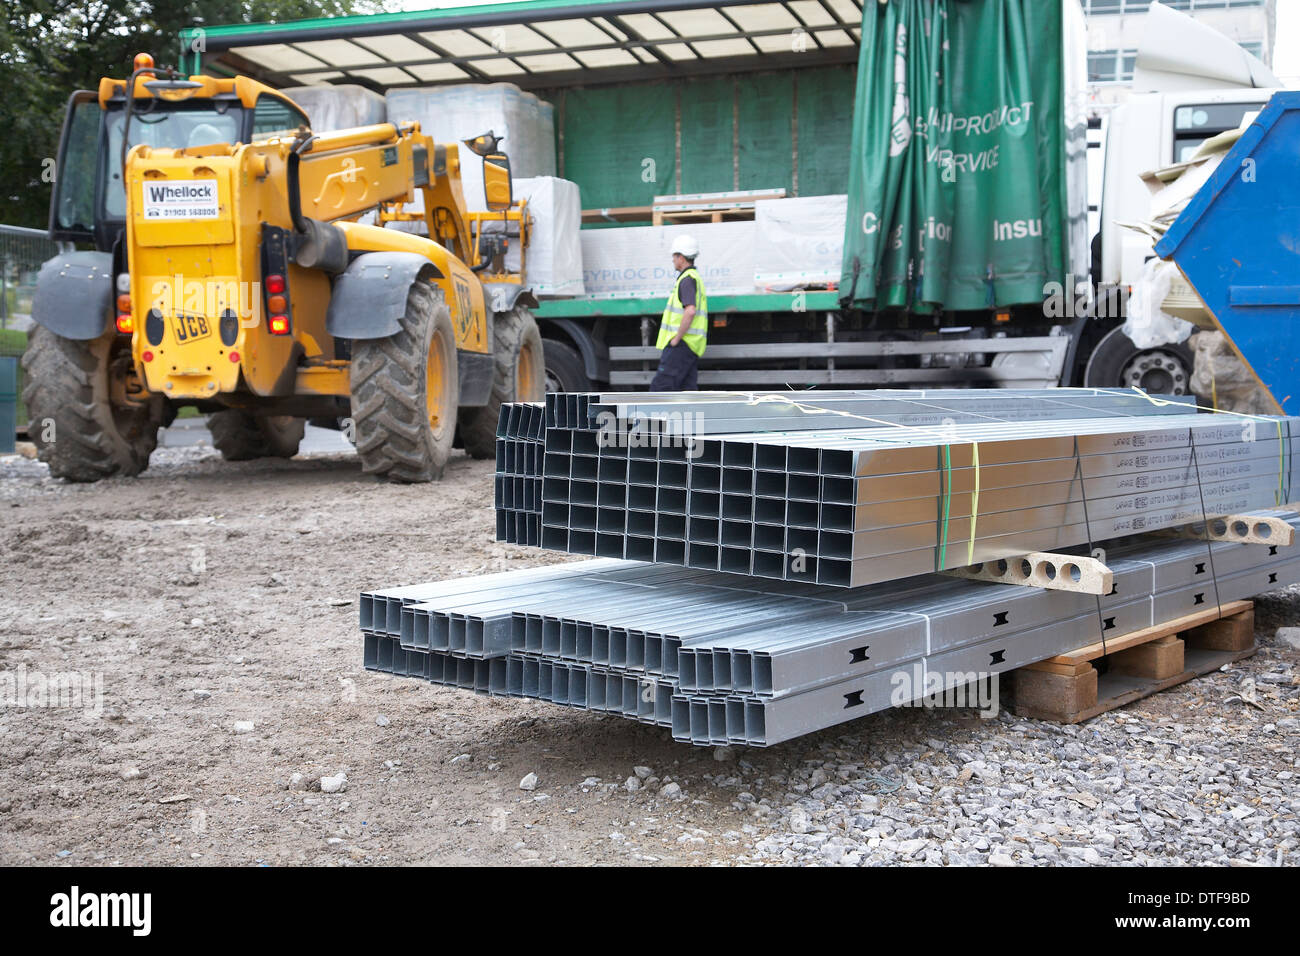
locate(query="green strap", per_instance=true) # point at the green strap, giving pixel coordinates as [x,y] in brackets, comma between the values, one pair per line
[947,504]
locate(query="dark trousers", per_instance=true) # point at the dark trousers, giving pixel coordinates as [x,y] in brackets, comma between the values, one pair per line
[678,366]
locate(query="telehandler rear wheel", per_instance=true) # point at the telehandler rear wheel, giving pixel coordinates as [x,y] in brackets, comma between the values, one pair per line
[241,436]
[519,376]
[80,420]
[405,389]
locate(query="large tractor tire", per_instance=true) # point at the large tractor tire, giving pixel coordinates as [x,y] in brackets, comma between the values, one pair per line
[564,369]
[241,436]
[1117,363]
[519,376]
[78,430]
[405,389]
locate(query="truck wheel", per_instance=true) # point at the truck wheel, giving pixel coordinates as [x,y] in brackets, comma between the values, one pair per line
[241,436]
[519,376]
[77,429]
[404,392]
[1117,363]
[564,369]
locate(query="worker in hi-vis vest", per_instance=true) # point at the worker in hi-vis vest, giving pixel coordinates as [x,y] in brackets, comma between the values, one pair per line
[685,323]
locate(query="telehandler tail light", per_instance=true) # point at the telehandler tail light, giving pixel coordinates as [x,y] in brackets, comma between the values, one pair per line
[125,324]
[147,355]
[124,303]
[234,358]
[275,280]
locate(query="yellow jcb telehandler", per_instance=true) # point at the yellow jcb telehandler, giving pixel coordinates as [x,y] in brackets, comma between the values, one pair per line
[229,272]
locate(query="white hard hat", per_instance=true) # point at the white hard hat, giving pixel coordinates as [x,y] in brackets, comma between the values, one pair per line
[685,245]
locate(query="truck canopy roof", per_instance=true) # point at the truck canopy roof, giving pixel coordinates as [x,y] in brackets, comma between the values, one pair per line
[535,44]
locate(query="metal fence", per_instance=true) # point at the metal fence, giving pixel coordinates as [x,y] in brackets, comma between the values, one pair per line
[22,251]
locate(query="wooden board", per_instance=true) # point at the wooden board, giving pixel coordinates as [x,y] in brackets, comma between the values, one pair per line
[681,217]
[618,214]
[1093,651]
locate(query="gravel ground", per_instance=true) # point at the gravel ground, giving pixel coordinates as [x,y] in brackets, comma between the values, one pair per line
[216,603]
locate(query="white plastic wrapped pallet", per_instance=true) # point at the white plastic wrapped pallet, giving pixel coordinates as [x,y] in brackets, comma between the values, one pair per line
[800,241]
[636,260]
[454,113]
[344,106]
[554,261]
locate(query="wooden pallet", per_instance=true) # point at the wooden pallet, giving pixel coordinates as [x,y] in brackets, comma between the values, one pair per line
[677,217]
[710,207]
[1069,688]
[687,208]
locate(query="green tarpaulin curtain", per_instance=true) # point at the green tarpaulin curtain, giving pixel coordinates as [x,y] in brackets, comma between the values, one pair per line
[957,176]
[781,130]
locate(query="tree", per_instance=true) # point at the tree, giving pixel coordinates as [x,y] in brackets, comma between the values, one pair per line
[50,48]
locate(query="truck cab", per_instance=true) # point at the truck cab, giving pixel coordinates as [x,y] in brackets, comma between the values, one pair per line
[1189,83]
[1149,131]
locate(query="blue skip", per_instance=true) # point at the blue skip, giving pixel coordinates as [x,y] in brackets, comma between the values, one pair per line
[1238,244]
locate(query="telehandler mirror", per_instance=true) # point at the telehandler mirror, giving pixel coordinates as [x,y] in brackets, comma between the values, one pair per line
[496,182]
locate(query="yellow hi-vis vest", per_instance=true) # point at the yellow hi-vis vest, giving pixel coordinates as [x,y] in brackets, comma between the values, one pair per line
[672,318]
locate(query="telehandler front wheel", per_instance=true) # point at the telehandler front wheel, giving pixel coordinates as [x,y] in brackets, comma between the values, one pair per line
[405,390]
[86,418]
[519,376]
[241,436]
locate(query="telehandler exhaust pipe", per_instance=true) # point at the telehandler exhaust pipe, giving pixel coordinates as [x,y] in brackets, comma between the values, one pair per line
[317,245]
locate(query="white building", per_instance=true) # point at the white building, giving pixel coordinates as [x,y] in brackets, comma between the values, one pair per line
[1115,30]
